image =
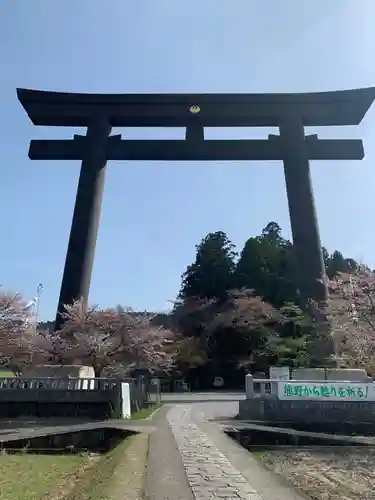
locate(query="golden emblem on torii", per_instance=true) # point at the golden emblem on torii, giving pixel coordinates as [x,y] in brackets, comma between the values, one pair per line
[194,109]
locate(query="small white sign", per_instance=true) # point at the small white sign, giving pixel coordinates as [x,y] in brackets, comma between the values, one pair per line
[326,391]
[279,373]
[125,393]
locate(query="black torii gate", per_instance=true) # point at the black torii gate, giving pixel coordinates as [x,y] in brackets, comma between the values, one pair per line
[100,112]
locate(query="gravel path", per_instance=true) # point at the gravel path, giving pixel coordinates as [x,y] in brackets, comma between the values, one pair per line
[332,473]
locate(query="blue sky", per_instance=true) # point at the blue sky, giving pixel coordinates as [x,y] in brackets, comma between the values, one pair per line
[153,214]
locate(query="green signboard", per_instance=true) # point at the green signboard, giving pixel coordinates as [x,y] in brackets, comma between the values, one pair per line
[331,391]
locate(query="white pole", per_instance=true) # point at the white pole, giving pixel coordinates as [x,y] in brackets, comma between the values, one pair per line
[39,291]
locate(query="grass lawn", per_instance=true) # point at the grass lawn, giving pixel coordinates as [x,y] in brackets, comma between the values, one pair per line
[32,476]
[144,413]
[118,475]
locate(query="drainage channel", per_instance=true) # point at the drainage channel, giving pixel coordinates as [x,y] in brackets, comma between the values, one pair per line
[100,440]
[255,437]
[319,465]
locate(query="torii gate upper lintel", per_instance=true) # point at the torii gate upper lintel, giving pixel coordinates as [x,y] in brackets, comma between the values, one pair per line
[100,112]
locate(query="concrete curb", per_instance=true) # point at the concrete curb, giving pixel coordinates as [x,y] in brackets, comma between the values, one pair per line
[150,417]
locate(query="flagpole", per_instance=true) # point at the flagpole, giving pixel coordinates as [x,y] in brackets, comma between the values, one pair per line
[39,291]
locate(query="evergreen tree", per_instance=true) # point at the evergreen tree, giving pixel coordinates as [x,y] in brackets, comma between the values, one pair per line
[211,275]
[266,266]
[337,263]
[272,231]
[325,256]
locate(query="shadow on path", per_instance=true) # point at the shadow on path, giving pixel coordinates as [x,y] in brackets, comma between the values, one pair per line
[166,478]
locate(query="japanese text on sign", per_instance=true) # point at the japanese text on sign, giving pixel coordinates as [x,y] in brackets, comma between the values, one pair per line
[338,391]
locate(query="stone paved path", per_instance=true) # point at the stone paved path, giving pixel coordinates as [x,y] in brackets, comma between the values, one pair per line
[190,458]
[209,473]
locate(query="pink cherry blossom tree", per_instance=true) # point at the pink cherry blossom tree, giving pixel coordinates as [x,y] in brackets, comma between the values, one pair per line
[351,313]
[110,340]
[18,346]
[113,341]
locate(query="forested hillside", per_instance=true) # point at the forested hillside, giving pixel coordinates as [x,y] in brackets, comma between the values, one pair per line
[240,311]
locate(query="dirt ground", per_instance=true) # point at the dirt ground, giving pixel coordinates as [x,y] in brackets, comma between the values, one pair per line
[327,473]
